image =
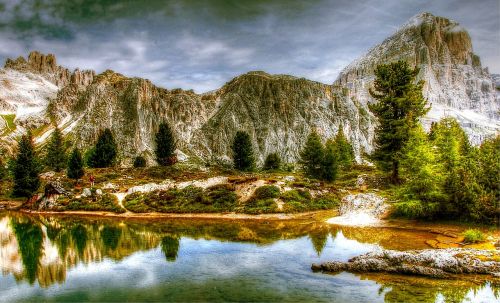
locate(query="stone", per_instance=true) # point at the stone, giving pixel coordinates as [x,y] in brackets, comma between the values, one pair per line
[98,192]
[435,263]
[86,192]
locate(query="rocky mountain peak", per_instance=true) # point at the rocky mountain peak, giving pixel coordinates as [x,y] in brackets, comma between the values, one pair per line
[46,66]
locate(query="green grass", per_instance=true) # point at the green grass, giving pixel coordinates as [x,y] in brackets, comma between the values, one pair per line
[105,202]
[263,200]
[473,236]
[191,199]
[299,200]
[11,126]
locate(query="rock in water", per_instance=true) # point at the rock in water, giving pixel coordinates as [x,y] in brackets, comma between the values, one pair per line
[436,263]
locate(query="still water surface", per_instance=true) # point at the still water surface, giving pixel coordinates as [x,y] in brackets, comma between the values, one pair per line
[59,258]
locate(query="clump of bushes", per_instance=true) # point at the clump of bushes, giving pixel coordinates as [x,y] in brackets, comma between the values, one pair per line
[298,200]
[263,200]
[193,199]
[272,162]
[105,202]
[473,236]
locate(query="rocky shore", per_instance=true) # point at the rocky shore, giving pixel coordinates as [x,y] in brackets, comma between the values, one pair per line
[435,263]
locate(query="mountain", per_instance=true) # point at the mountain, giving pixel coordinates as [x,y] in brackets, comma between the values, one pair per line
[278,111]
[455,83]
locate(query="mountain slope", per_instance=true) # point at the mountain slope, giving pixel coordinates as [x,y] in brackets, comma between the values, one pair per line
[278,111]
[455,83]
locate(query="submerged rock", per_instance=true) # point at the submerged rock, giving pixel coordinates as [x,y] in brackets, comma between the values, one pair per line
[436,263]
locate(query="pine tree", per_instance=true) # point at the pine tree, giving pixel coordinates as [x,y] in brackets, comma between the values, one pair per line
[75,165]
[25,168]
[399,107]
[105,151]
[56,154]
[343,149]
[273,161]
[330,161]
[243,158]
[165,145]
[311,156]
[421,171]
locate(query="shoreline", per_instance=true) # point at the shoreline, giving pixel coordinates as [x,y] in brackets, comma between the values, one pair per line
[155,215]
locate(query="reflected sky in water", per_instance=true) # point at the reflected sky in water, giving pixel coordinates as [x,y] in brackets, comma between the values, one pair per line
[101,260]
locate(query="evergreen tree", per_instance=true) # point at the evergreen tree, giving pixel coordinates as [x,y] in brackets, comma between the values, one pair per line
[75,165]
[139,161]
[25,168]
[400,105]
[311,156]
[56,154]
[330,161]
[165,145]
[2,169]
[105,151]
[343,149]
[422,174]
[243,157]
[273,161]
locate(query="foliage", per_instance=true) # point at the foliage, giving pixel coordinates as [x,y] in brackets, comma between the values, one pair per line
[25,168]
[2,169]
[297,200]
[343,149]
[330,162]
[272,162]
[311,156]
[193,199]
[56,152]
[400,105]
[139,161]
[111,236]
[473,236]
[105,202]
[243,157]
[105,151]
[75,165]
[263,200]
[165,145]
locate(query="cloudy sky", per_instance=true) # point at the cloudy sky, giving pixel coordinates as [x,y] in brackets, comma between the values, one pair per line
[203,44]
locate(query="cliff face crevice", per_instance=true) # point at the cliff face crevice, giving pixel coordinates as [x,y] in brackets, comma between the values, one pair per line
[278,111]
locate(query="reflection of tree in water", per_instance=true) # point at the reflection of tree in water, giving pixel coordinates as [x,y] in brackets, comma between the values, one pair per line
[110,236]
[319,239]
[30,239]
[398,288]
[170,247]
[79,235]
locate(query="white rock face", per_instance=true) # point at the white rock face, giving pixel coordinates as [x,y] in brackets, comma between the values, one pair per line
[455,83]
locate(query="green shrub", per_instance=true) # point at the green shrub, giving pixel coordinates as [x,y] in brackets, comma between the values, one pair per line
[473,236]
[105,202]
[267,191]
[272,162]
[415,209]
[139,161]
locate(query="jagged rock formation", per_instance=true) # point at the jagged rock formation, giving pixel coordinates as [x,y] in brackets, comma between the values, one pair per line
[278,111]
[455,82]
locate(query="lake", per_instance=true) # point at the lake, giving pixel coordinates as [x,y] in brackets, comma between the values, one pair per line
[69,258]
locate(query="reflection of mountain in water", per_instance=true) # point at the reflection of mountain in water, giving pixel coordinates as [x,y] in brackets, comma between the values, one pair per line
[40,248]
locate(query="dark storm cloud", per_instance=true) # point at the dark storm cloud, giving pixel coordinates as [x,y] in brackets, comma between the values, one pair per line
[202,44]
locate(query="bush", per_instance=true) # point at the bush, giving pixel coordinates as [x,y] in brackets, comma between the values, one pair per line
[262,201]
[139,161]
[298,200]
[473,236]
[416,209]
[105,202]
[272,162]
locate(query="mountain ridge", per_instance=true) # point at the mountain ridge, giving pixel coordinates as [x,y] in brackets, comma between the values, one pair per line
[277,110]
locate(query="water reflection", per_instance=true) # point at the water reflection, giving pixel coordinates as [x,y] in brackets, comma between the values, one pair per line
[186,260]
